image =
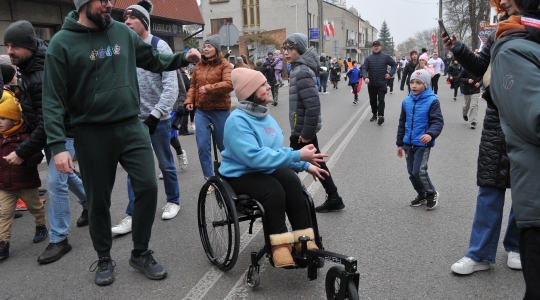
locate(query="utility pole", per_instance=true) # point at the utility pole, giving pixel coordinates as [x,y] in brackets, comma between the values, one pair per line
[320,25]
[440,49]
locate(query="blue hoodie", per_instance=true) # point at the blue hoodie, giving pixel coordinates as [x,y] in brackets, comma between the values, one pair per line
[420,114]
[255,145]
[354,75]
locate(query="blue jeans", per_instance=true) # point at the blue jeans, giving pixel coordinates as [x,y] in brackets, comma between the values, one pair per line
[319,83]
[203,137]
[486,228]
[59,207]
[162,148]
[417,159]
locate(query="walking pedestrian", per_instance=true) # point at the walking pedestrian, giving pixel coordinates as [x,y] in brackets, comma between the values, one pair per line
[420,123]
[323,75]
[305,109]
[270,74]
[27,52]
[335,73]
[409,69]
[438,68]
[103,102]
[471,90]
[375,74]
[453,76]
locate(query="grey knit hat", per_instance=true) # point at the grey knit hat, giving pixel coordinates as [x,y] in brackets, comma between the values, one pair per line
[21,33]
[298,41]
[5,60]
[141,11]
[423,76]
[215,41]
[79,3]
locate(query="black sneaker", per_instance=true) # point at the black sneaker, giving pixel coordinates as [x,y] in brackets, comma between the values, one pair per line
[419,200]
[41,234]
[465,118]
[4,249]
[17,215]
[83,219]
[147,264]
[355,101]
[473,125]
[374,118]
[331,204]
[104,268]
[54,252]
[380,120]
[432,201]
[455,98]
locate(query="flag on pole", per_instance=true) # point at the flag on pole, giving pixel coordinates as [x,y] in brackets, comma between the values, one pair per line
[332,28]
[326,28]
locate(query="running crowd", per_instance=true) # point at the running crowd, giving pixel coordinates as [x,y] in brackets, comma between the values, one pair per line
[133,94]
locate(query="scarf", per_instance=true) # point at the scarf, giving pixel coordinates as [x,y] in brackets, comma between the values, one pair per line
[529,22]
[7,133]
[256,110]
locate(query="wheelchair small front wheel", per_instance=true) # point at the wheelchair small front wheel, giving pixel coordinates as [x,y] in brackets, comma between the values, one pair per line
[333,285]
[218,225]
[253,279]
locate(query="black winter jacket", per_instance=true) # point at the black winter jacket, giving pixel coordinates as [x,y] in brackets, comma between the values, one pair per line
[408,70]
[269,73]
[475,64]
[375,68]
[32,80]
[454,70]
[469,88]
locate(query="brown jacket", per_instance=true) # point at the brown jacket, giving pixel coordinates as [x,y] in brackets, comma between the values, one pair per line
[215,76]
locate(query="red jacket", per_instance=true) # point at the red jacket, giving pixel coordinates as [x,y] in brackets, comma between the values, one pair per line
[25,175]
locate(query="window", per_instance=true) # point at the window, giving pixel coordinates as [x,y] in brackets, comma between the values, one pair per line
[216,1]
[250,13]
[44,33]
[216,23]
[335,48]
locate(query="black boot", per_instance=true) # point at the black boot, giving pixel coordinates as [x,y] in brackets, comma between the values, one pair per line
[54,252]
[83,219]
[331,204]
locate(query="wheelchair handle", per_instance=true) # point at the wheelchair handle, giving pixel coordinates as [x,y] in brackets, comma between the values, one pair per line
[214,145]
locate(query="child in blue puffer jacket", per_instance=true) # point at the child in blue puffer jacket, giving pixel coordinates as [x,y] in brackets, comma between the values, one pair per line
[420,123]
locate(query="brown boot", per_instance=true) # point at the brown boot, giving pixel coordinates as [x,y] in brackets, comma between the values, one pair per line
[310,244]
[281,249]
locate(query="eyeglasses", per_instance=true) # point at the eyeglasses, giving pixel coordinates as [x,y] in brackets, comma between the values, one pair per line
[288,49]
[105,2]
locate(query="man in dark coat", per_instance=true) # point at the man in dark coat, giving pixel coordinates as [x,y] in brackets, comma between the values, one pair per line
[269,73]
[375,75]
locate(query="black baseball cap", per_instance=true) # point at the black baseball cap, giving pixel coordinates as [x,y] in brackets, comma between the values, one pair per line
[376,43]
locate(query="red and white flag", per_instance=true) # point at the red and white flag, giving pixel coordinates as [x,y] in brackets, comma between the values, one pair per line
[332,28]
[326,28]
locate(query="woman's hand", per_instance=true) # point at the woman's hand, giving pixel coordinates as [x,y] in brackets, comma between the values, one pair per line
[189,107]
[202,90]
[307,153]
[317,172]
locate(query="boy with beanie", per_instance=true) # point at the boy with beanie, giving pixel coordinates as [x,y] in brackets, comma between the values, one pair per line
[305,108]
[18,181]
[420,123]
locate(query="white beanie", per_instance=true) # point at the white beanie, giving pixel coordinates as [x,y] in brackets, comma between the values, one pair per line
[422,75]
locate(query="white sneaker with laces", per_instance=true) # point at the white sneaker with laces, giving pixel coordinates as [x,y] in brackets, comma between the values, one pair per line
[170,210]
[160,176]
[182,160]
[466,266]
[514,260]
[124,226]
[192,126]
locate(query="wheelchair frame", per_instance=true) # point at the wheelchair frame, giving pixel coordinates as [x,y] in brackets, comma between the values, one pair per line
[251,210]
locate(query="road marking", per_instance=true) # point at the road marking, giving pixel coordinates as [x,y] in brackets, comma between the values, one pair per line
[239,290]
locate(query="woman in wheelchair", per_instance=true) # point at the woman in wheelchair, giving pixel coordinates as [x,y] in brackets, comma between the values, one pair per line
[255,163]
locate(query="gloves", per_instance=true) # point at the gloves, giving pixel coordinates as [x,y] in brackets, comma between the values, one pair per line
[152,123]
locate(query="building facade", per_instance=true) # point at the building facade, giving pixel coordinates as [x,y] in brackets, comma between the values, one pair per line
[47,17]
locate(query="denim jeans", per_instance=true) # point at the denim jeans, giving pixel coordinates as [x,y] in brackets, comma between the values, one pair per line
[417,160]
[203,136]
[59,207]
[161,145]
[486,228]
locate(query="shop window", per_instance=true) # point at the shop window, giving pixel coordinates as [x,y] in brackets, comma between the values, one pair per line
[216,23]
[44,33]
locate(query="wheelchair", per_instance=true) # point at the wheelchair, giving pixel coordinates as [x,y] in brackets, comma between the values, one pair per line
[219,213]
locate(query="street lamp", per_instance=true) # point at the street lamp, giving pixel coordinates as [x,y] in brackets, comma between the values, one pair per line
[296,6]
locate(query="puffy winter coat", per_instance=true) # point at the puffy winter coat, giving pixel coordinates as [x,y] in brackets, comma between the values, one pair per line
[420,114]
[374,68]
[25,175]
[304,102]
[215,76]
[409,69]
[335,72]
[469,88]
[268,71]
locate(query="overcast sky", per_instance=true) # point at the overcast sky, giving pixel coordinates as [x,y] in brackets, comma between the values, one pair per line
[404,17]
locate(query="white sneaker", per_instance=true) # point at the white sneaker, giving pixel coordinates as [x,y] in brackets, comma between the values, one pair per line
[514,260]
[210,190]
[182,160]
[160,176]
[192,126]
[124,226]
[170,210]
[326,93]
[466,266]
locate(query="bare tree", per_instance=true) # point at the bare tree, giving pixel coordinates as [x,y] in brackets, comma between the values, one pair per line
[463,16]
[420,39]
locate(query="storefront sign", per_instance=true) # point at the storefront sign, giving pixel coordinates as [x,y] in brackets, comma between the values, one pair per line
[165,28]
[314,33]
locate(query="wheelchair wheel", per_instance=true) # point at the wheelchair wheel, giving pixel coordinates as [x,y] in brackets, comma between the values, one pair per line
[333,284]
[218,225]
[253,279]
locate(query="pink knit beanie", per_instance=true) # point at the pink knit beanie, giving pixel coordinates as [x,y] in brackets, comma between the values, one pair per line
[246,82]
[424,57]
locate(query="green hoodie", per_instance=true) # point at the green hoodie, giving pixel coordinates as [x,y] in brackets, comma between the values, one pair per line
[91,74]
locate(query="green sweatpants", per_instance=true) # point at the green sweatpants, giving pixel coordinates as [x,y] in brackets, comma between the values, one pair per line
[99,149]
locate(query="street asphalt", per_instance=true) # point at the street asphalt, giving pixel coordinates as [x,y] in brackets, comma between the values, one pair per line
[403,252]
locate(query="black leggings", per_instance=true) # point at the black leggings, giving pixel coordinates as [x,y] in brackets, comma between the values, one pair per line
[175,142]
[435,83]
[279,193]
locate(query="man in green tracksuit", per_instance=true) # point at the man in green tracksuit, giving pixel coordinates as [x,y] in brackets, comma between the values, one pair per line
[91,74]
